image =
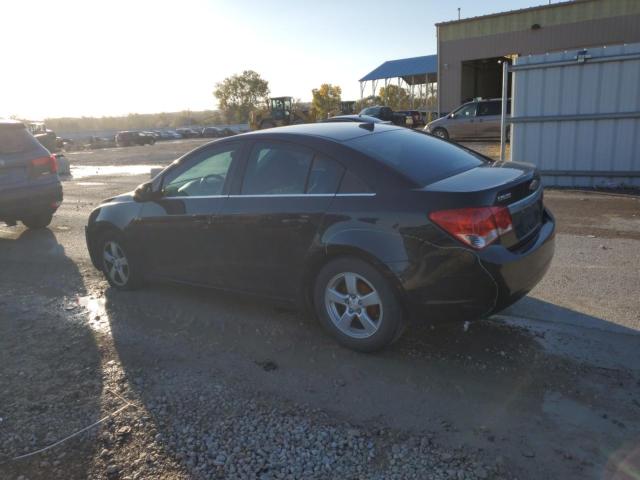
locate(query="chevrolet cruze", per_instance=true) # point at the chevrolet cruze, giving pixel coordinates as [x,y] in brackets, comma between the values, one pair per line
[370,226]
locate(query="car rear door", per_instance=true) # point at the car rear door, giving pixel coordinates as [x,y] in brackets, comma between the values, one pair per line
[177,232]
[270,221]
[488,119]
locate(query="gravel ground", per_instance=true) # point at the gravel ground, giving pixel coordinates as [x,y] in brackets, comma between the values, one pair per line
[180,383]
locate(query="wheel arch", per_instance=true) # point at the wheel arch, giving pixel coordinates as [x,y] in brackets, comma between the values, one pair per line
[321,257]
[93,234]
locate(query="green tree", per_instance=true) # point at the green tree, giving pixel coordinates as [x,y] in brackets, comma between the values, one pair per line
[326,100]
[240,94]
[395,97]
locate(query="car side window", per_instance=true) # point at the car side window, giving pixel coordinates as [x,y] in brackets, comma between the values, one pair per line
[467,111]
[489,108]
[276,168]
[325,176]
[205,177]
[351,183]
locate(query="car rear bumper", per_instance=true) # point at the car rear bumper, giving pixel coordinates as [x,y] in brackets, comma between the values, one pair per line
[16,203]
[461,284]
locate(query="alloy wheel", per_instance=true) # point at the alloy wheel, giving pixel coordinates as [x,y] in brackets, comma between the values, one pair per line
[116,265]
[354,305]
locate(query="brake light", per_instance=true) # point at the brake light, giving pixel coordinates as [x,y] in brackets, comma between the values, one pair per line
[44,166]
[476,227]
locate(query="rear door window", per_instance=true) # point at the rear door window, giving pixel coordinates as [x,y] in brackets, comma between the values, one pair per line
[276,168]
[325,176]
[489,108]
[15,140]
[421,158]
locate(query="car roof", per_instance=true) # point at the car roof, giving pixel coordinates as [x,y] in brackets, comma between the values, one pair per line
[336,131]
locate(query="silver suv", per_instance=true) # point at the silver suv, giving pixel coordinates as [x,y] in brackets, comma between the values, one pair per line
[477,119]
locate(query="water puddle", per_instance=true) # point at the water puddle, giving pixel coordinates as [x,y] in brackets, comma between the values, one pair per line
[90,184]
[84,171]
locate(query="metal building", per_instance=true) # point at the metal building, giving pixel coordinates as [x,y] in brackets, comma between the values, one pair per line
[576,115]
[471,50]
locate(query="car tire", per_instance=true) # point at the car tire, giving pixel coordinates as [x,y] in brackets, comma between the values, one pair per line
[356,304]
[39,220]
[441,133]
[111,247]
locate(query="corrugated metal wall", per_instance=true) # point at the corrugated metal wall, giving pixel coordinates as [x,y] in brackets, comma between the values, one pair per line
[579,122]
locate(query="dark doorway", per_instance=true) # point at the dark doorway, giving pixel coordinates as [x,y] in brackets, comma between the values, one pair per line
[482,78]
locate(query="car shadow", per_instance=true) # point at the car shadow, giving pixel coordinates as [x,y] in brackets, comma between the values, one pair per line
[50,366]
[468,380]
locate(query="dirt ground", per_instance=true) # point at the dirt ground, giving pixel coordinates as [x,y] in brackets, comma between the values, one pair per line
[174,382]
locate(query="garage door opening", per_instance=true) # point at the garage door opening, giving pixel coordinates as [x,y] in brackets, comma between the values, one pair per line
[483,78]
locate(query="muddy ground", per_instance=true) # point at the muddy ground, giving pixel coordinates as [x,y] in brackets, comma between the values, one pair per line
[210,385]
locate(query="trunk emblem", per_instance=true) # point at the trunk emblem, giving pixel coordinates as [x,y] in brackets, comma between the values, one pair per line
[504,196]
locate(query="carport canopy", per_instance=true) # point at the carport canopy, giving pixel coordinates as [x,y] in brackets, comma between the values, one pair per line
[414,70]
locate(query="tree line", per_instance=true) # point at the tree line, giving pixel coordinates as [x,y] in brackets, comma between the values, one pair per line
[238,96]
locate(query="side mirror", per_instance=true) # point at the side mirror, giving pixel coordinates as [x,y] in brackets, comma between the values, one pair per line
[146,193]
[452,115]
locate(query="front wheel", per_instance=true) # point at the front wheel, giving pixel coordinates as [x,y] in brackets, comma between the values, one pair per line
[441,133]
[357,305]
[118,265]
[39,220]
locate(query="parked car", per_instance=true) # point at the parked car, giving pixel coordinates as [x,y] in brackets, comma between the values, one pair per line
[385,113]
[173,135]
[101,142]
[354,118]
[413,118]
[188,132]
[476,119]
[30,190]
[228,132]
[365,226]
[211,132]
[129,138]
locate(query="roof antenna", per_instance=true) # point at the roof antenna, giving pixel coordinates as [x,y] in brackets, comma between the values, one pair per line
[458,13]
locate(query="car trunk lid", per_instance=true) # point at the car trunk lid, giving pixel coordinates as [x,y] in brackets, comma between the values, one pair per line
[513,185]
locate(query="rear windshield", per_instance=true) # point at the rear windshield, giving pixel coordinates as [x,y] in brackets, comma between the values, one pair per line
[16,139]
[418,156]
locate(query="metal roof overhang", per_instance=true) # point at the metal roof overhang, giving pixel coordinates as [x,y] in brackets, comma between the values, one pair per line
[413,71]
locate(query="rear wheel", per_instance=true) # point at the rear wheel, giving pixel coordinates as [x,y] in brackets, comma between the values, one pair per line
[441,133]
[39,220]
[118,265]
[357,305]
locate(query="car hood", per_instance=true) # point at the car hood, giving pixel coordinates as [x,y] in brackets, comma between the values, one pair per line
[124,197]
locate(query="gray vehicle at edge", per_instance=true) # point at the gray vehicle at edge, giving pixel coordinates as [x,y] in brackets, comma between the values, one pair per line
[479,119]
[30,190]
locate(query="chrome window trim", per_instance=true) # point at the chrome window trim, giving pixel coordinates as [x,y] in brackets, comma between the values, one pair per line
[283,195]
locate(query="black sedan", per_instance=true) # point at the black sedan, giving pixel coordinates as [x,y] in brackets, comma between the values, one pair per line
[368,225]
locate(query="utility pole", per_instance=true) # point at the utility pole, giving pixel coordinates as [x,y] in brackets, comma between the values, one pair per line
[459,12]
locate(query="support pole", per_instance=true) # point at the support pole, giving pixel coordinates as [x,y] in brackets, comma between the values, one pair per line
[503,114]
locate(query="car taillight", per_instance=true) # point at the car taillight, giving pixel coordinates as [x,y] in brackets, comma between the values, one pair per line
[476,227]
[44,166]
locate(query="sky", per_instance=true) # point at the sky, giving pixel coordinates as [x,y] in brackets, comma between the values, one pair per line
[102,58]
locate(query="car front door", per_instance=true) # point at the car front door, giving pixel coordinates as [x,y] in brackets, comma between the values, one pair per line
[271,219]
[177,230]
[488,119]
[462,124]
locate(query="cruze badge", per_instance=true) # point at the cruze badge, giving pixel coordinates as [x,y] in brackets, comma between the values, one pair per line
[504,196]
